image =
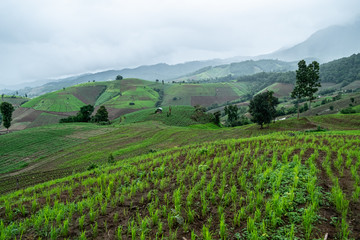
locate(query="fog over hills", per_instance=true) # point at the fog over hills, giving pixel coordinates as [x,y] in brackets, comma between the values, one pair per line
[324,45]
[327,44]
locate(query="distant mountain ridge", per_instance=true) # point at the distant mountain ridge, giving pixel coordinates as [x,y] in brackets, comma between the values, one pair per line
[327,44]
[161,71]
[324,45]
[237,69]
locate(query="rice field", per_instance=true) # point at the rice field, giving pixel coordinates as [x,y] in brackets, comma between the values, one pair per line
[278,186]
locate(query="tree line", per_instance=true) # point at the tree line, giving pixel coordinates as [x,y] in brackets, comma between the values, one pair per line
[262,106]
[84,115]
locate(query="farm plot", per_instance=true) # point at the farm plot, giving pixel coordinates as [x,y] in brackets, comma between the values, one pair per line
[60,101]
[272,187]
[19,149]
[205,94]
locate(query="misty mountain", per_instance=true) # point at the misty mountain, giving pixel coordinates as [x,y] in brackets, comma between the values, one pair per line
[243,68]
[327,44]
[159,71]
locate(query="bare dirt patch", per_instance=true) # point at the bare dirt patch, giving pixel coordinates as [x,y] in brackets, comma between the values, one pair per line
[89,94]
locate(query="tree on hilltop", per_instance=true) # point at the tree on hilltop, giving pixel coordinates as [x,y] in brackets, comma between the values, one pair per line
[6,110]
[262,108]
[119,77]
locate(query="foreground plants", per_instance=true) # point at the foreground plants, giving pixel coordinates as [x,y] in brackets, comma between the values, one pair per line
[258,188]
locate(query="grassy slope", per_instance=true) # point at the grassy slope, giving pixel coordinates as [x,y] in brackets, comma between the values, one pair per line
[115,95]
[62,148]
[203,94]
[180,116]
[338,105]
[98,93]
[272,186]
[59,101]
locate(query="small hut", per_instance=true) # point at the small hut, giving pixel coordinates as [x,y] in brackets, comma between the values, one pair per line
[159,110]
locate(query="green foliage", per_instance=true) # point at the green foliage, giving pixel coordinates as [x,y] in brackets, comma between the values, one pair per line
[92,166]
[232,112]
[262,108]
[111,158]
[82,116]
[217,116]
[263,187]
[101,115]
[341,70]
[200,115]
[6,110]
[307,81]
[348,110]
[119,77]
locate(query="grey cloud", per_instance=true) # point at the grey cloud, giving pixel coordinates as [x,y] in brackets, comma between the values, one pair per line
[47,38]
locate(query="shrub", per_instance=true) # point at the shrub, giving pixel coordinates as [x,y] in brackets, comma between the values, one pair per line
[348,110]
[92,166]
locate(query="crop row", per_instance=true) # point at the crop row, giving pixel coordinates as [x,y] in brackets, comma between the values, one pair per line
[244,189]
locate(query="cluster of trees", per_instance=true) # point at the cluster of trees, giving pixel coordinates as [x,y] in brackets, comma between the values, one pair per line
[269,77]
[235,116]
[84,115]
[344,70]
[263,106]
[262,109]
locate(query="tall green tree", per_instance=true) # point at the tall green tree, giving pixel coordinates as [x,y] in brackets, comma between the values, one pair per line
[300,85]
[307,82]
[101,115]
[313,81]
[263,108]
[232,112]
[6,110]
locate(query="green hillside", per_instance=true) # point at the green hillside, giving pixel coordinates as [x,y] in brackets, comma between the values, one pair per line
[205,184]
[205,94]
[60,149]
[130,95]
[180,116]
[119,97]
[114,94]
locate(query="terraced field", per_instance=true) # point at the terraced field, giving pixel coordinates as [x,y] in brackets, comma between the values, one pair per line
[72,147]
[279,186]
[204,94]
[119,97]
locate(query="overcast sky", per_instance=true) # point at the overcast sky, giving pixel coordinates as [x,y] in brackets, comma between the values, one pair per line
[42,39]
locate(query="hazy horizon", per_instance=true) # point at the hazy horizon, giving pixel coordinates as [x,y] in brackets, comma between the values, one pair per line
[47,39]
